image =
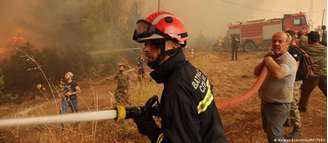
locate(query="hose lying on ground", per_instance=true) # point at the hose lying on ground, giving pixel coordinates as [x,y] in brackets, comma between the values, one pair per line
[233,102]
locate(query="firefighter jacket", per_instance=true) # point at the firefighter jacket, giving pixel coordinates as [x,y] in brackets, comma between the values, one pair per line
[187,108]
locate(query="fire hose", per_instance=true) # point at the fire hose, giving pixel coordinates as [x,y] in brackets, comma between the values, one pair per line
[120,113]
[233,102]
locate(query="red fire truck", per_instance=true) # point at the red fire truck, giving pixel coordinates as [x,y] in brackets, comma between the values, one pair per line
[257,33]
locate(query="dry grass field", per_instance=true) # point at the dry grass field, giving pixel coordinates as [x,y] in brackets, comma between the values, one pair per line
[230,78]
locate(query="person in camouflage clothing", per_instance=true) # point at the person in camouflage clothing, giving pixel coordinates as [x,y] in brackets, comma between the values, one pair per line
[121,92]
[141,69]
[294,119]
[318,53]
[302,39]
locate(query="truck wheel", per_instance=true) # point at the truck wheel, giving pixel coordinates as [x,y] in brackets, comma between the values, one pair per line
[249,46]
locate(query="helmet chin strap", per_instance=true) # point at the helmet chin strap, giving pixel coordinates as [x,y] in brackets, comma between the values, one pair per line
[160,59]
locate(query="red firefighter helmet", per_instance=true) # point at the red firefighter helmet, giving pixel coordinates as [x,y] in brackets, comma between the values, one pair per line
[160,25]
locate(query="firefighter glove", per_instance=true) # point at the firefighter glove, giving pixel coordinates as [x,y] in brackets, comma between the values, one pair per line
[145,122]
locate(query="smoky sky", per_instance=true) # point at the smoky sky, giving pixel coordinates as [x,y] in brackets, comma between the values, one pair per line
[212,17]
[43,20]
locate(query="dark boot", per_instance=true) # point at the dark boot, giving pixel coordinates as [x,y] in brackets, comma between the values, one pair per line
[288,123]
[302,109]
[296,133]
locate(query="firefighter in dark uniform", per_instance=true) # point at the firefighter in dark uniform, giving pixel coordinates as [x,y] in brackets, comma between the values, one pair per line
[187,108]
[323,36]
[235,42]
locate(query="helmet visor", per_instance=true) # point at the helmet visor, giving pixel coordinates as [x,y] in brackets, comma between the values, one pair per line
[145,31]
[142,27]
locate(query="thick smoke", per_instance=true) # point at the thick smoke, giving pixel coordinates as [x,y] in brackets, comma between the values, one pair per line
[99,24]
[84,24]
